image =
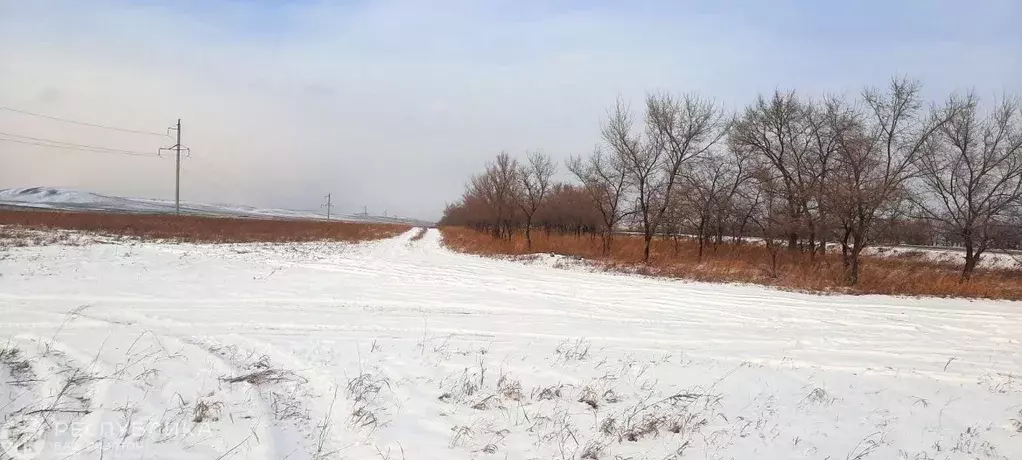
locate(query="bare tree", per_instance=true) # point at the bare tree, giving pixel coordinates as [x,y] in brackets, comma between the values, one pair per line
[482,189]
[604,179]
[781,132]
[827,122]
[498,189]
[640,162]
[679,217]
[744,204]
[874,162]
[971,174]
[711,186]
[566,209]
[677,130]
[703,184]
[534,184]
[770,215]
[798,171]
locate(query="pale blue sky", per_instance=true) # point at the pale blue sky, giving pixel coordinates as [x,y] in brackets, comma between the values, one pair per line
[391,104]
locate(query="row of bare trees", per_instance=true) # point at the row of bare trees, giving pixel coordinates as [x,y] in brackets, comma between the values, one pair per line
[797,172]
[511,195]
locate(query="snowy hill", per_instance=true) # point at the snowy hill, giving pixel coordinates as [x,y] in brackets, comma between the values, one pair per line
[77,200]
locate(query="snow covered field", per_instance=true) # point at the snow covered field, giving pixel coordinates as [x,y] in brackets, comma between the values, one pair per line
[400,349]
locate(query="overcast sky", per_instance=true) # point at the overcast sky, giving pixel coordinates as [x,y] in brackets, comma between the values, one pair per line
[392,104]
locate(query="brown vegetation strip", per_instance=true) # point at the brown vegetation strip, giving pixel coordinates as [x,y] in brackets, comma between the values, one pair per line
[750,263]
[200,229]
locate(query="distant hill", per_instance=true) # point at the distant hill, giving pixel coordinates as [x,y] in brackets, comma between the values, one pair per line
[77,200]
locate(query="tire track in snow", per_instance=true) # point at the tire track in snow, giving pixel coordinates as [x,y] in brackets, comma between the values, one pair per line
[239,356]
[238,403]
[24,430]
[306,393]
[863,348]
[160,402]
[74,391]
[236,349]
[889,338]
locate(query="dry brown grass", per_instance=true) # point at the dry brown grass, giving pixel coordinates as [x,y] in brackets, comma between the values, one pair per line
[199,229]
[750,263]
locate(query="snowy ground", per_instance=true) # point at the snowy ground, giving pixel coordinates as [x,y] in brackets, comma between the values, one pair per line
[400,349]
[993,258]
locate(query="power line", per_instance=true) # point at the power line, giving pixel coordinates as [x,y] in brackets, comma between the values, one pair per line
[93,125]
[72,144]
[115,152]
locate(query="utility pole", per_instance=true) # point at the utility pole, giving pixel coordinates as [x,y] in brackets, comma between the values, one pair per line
[177,171]
[328,206]
[177,167]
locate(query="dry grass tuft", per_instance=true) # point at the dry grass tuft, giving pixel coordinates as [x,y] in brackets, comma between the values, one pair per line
[261,377]
[199,229]
[19,367]
[750,263]
[207,411]
[509,388]
[593,450]
[547,393]
[419,233]
[573,350]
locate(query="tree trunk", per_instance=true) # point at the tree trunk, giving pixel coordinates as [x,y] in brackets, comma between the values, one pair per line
[773,260]
[852,273]
[792,241]
[970,266]
[845,250]
[971,258]
[742,226]
[528,232]
[852,267]
[606,242]
[702,238]
[647,237]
